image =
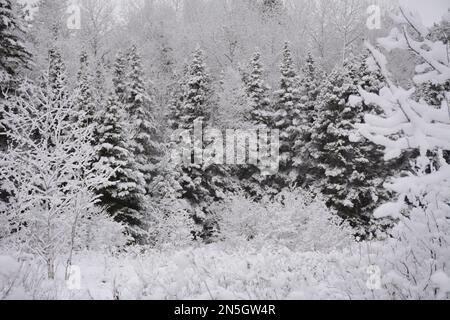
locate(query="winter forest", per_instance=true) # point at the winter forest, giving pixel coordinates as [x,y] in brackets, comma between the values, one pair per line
[223,150]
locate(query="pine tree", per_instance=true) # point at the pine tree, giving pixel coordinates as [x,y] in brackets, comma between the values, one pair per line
[57,76]
[286,108]
[54,83]
[350,169]
[119,77]
[310,82]
[123,194]
[197,93]
[144,143]
[258,93]
[166,64]
[200,183]
[303,122]
[99,81]
[262,115]
[177,100]
[98,89]
[85,103]
[164,78]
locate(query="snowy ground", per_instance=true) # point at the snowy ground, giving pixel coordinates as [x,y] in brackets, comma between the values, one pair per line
[206,272]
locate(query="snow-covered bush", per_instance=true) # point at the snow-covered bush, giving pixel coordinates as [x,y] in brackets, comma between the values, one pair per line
[295,219]
[98,231]
[170,223]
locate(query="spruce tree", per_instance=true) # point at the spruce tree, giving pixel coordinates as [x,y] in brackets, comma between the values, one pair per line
[262,115]
[57,76]
[350,170]
[86,104]
[309,87]
[201,183]
[99,90]
[119,77]
[258,93]
[54,84]
[197,93]
[177,100]
[286,108]
[144,143]
[123,194]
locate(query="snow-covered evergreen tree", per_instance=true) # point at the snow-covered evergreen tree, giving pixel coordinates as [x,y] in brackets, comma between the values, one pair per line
[197,93]
[258,93]
[311,77]
[54,84]
[176,100]
[123,193]
[310,86]
[203,182]
[286,108]
[120,73]
[145,143]
[86,103]
[164,75]
[350,169]
[99,83]
[57,76]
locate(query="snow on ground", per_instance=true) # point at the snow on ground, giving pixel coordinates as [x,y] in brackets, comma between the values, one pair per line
[215,271]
